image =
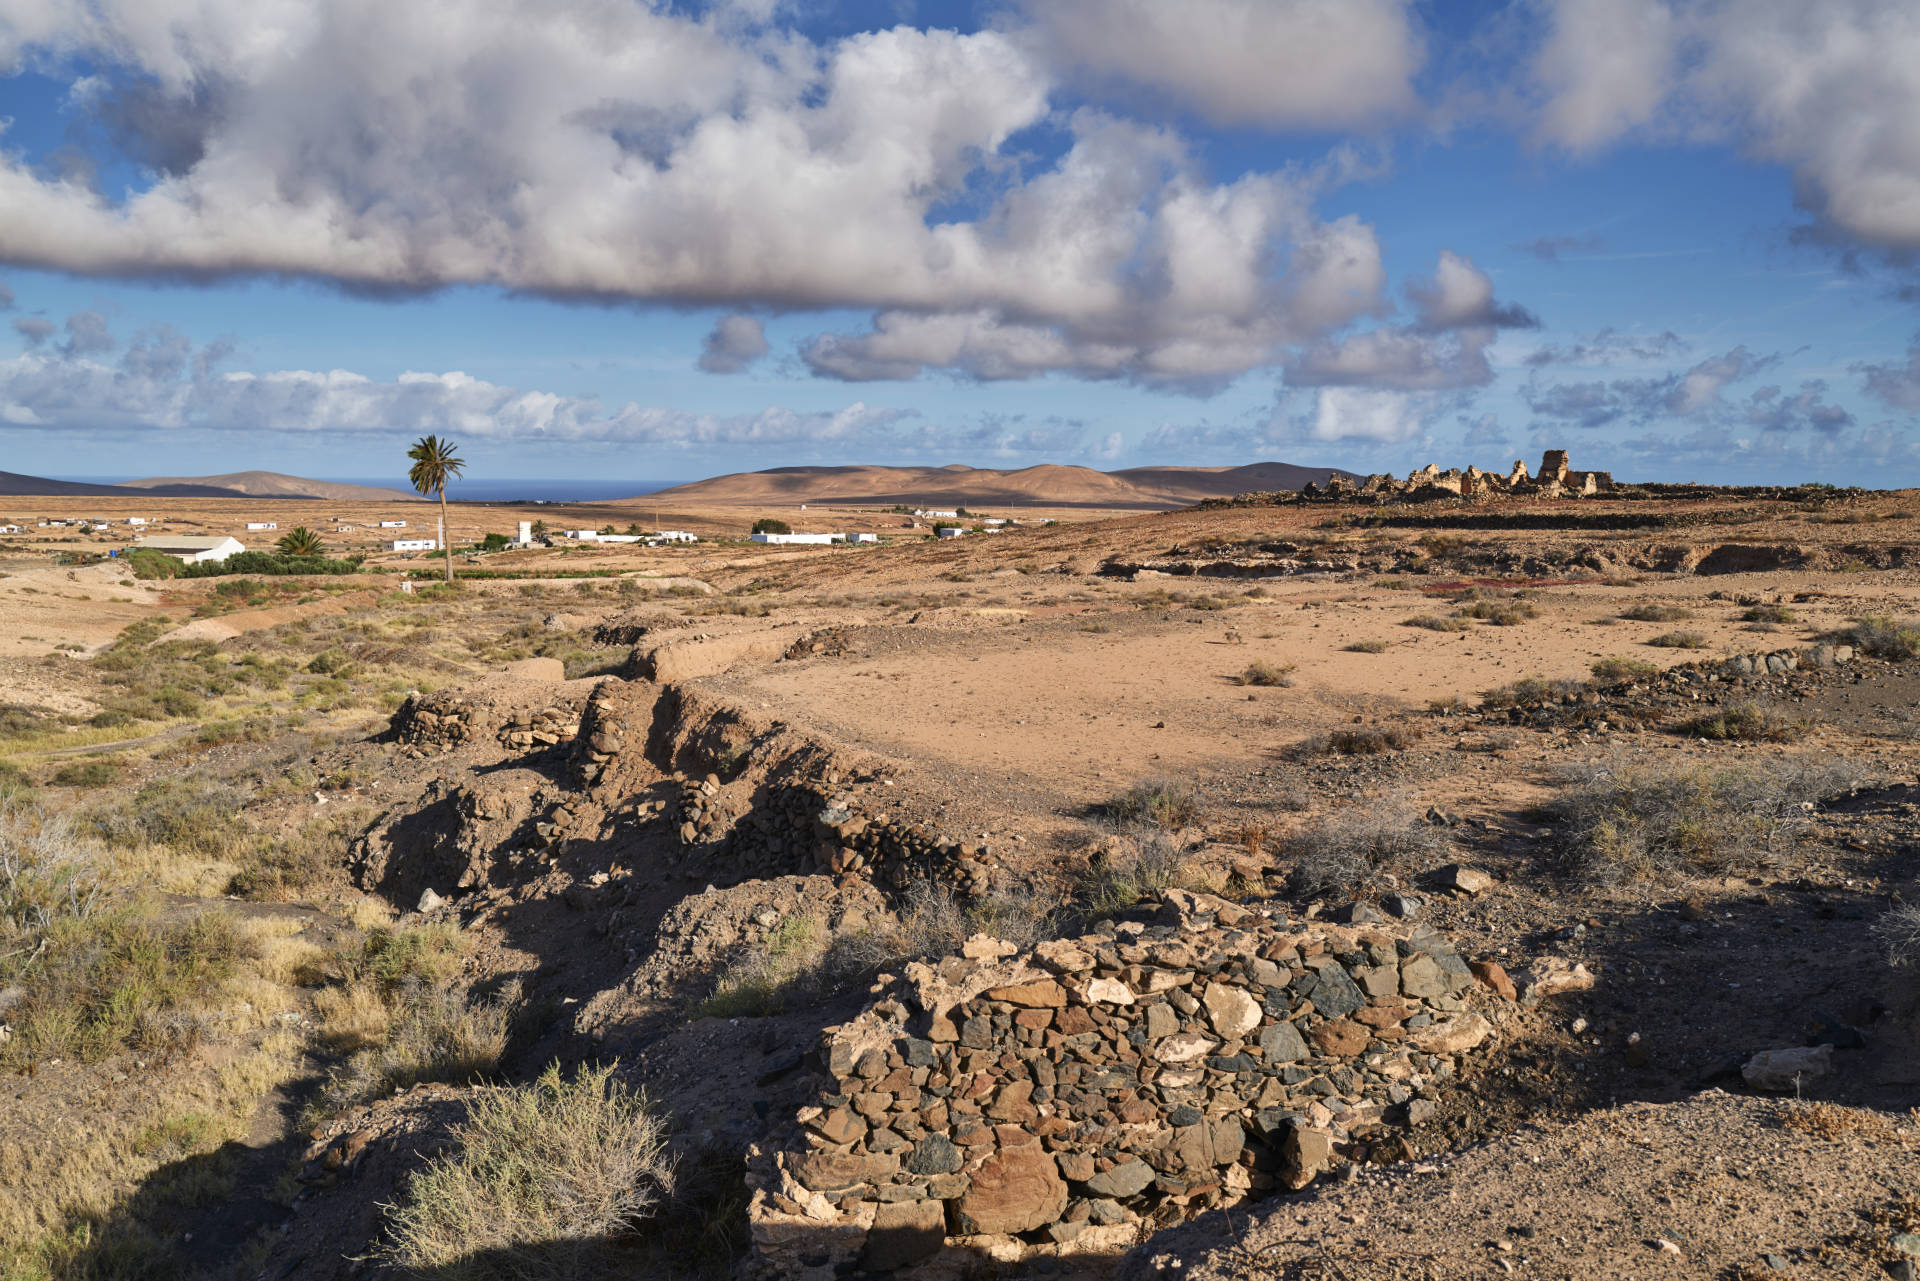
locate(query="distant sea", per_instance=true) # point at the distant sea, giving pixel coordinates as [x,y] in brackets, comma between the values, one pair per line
[532,490]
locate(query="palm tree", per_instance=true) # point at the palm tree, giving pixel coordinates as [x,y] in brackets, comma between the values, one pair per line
[434,464]
[300,541]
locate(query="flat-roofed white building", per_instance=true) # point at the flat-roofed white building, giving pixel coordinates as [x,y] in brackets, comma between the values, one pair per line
[195,549]
[393,524]
[414,545]
[791,539]
[263,524]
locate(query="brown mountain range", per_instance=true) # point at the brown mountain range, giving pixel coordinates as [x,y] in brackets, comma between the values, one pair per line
[241,484]
[1048,485]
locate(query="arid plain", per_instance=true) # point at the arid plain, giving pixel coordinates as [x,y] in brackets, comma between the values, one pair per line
[871,866]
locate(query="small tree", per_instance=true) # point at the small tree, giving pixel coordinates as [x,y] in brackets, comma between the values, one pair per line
[300,541]
[539,529]
[769,525]
[434,464]
[494,542]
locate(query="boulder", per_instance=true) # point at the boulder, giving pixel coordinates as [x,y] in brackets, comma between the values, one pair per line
[1017,1190]
[1129,1178]
[1784,1070]
[1454,1035]
[1232,1012]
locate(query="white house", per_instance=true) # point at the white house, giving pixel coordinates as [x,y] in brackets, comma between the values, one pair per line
[788,539]
[194,549]
[676,536]
[582,535]
[619,538]
[393,524]
[949,531]
[263,524]
[9,529]
[931,513]
[136,520]
[863,538]
[414,545]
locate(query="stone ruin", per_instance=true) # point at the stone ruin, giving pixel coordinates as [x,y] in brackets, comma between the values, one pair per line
[1006,1104]
[1555,479]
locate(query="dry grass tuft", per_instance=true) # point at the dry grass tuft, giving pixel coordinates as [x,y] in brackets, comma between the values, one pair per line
[1898,931]
[1352,850]
[1832,1121]
[1170,803]
[1272,675]
[1617,671]
[1748,723]
[1657,614]
[546,1178]
[1879,637]
[1679,640]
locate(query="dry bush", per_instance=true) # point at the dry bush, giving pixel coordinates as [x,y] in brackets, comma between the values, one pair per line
[1148,865]
[1436,623]
[1680,640]
[187,815]
[1747,723]
[1832,1121]
[1361,740]
[277,869]
[1374,646]
[768,976]
[1898,931]
[1643,822]
[1272,675]
[1171,803]
[545,1178]
[1657,614]
[1879,637]
[1616,670]
[1500,613]
[1767,614]
[1529,690]
[1349,852]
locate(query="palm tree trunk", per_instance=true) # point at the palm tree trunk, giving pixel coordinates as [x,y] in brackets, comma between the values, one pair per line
[445,547]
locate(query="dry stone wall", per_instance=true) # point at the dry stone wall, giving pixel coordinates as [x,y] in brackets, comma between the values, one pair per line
[1053,1100]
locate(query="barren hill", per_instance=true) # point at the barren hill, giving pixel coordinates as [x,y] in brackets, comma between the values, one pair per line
[42,487]
[1046,485]
[268,484]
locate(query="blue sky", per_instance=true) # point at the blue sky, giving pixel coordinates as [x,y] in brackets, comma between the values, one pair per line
[590,238]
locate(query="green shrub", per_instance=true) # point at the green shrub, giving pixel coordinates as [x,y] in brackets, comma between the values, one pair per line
[1657,614]
[97,772]
[1148,865]
[1528,690]
[1642,822]
[544,1181]
[1435,623]
[1680,640]
[270,564]
[771,525]
[187,815]
[1169,803]
[1748,723]
[1879,637]
[14,782]
[149,564]
[1616,670]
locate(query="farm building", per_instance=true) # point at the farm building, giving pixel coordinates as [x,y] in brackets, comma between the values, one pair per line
[863,538]
[676,536]
[393,524]
[789,539]
[193,549]
[949,531]
[263,524]
[414,545]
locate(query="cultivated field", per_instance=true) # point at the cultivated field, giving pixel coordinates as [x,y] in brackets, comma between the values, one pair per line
[1312,890]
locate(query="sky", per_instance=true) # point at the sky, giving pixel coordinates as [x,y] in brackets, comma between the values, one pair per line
[628,241]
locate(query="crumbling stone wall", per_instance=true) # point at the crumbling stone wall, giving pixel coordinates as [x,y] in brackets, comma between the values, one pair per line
[1053,1100]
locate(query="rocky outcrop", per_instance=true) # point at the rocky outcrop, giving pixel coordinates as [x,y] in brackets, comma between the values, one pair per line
[1050,1101]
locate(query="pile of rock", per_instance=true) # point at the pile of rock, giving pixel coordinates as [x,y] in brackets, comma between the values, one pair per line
[604,732]
[548,727]
[435,722]
[1051,1101]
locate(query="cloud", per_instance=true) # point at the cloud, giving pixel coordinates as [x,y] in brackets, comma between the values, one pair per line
[1304,64]
[161,383]
[1830,90]
[87,334]
[1610,347]
[1687,393]
[35,330]
[1356,413]
[1606,66]
[629,152]
[1549,248]
[1806,410]
[1895,385]
[6,297]
[1455,320]
[1460,296]
[735,343]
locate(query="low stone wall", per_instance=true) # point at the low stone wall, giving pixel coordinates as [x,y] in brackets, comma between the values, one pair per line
[1050,1102]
